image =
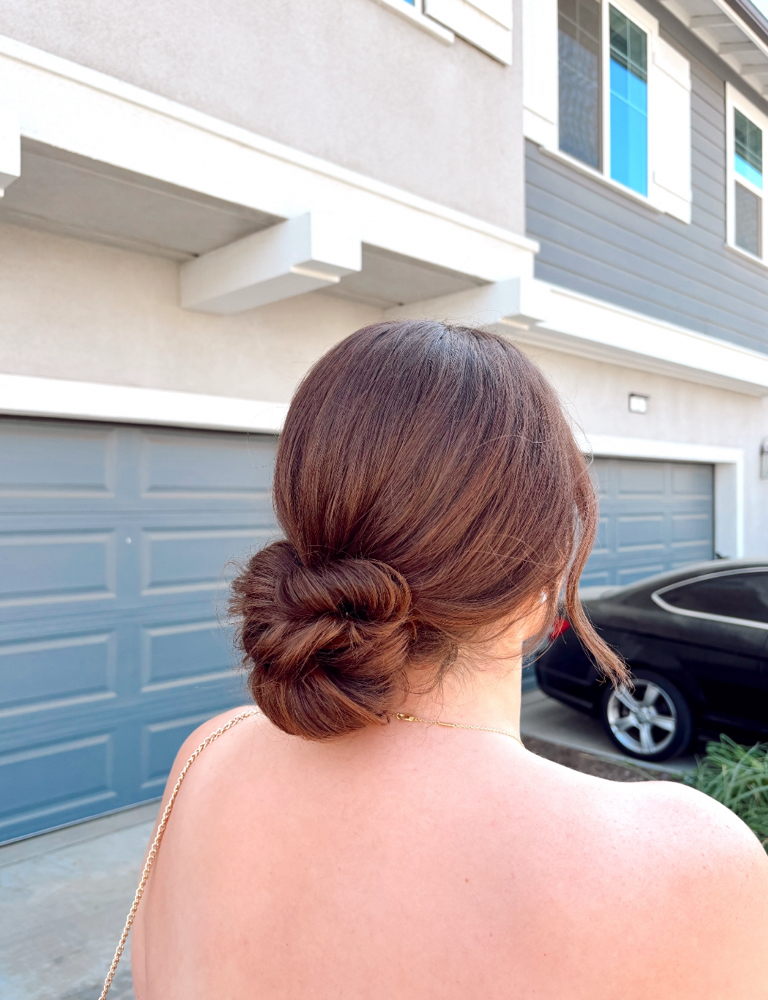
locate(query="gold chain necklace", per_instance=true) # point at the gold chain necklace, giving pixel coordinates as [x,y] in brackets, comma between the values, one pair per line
[402,717]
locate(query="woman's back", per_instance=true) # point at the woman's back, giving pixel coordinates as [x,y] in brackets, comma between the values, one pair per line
[409,862]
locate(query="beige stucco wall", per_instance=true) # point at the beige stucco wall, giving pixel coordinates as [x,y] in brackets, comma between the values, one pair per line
[348,81]
[76,310]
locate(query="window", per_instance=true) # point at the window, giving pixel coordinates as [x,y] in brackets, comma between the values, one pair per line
[604,90]
[746,126]
[740,596]
[629,102]
[579,79]
[596,105]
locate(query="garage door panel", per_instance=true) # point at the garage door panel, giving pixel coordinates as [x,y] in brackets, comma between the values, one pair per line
[57,669]
[640,530]
[692,480]
[57,462]
[44,782]
[654,515]
[633,481]
[46,566]
[694,527]
[184,652]
[193,559]
[624,575]
[202,467]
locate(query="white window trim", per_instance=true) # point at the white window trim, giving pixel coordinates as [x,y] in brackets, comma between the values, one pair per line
[585,168]
[735,99]
[414,14]
[729,477]
[745,254]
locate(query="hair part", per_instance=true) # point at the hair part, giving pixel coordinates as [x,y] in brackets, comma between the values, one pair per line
[429,488]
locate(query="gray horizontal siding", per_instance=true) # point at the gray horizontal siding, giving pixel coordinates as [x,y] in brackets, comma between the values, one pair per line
[600,242]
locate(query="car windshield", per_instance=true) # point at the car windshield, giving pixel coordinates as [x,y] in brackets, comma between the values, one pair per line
[731,595]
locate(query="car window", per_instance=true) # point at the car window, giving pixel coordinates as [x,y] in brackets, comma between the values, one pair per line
[734,595]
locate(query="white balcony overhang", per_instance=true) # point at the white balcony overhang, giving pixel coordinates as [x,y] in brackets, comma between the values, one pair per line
[735,30]
[299,255]
[10,149]
[106,161]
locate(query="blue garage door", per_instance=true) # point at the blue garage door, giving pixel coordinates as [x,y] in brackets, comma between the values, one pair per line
[654,516]
[114,548]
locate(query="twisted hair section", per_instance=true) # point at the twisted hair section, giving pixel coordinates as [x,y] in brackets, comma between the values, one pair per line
[430,490]
[328,642]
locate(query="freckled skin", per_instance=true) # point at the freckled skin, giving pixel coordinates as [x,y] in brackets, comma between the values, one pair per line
[410,862]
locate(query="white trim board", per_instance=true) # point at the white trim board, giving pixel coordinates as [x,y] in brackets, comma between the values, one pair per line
[534,312]
[579,324]
[70,107]
[729,477]
[25,395]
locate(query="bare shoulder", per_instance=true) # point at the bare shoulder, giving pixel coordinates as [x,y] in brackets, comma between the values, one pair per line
[196,738]
[700,891]
[673,878]
[201,734]
[692,830]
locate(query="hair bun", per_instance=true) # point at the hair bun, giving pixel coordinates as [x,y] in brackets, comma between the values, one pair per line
[327,642]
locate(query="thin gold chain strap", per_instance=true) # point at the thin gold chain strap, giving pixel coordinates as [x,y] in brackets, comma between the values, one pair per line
[402,717]
[156,843]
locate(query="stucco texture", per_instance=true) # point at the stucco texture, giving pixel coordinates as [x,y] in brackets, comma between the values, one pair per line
[77,310]
[350,82]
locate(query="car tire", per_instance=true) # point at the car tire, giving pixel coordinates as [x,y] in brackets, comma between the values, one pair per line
[653,722]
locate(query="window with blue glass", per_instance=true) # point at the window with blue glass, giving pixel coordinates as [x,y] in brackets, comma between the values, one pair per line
[603,106]
[629,102]
[748,184]
[748,146]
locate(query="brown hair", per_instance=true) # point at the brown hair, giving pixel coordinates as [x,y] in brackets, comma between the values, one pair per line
[429,487]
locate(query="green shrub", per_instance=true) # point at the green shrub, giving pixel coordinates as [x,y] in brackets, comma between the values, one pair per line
[737,776]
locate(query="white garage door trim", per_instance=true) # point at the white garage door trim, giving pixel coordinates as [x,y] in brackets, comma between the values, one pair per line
[729,477]
[29,396]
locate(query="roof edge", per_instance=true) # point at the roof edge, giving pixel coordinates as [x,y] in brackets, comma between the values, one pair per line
[751,17]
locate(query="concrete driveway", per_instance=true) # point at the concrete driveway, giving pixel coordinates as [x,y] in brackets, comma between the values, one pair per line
[63,901]
[544,719]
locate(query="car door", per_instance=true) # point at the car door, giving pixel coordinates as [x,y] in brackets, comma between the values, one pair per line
[722,626]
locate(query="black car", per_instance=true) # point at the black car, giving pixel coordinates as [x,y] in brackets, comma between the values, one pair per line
[696,641]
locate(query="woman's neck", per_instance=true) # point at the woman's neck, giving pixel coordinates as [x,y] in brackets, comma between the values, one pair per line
[484,691]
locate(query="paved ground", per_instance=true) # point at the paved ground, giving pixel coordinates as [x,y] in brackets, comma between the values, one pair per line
[64,895]
[578,741]
[63,901]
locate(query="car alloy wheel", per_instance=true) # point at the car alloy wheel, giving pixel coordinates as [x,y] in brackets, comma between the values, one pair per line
[651,721]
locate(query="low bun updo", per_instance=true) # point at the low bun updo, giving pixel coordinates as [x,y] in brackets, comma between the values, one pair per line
[328,642]
[428,487]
